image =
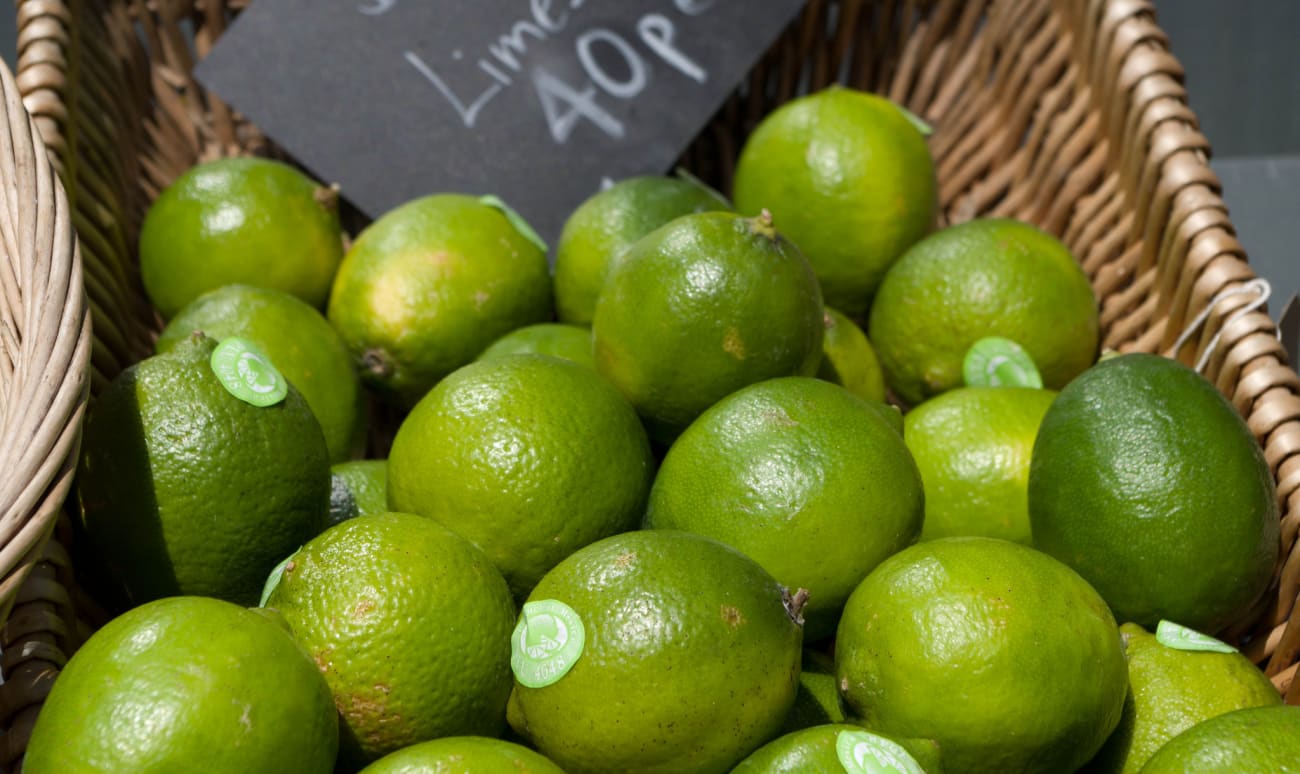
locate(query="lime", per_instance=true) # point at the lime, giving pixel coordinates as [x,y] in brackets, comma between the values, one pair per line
[429,285]
[358,488]
[299,342]
[688,658]
[529,457]
[187,489]
[1146,481]
[1260,739]
[848,359]
[700,308]
[801,476]
[410,625]
[463,755]
[850,180]
[842,748]
[818,701]
[1001,654]
[982,278]
[607,223]
[242,220]
[973,446]
[186,684]
[1171,690]
[555,339]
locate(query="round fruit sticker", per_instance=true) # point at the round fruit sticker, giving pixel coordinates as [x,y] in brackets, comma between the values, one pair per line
[547,642]
[515,219]
[1172,635]
[273,580]
[248,374]
[861,752]
[999,362]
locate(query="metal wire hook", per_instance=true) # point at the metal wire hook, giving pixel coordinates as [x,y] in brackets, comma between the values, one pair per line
[1259,286]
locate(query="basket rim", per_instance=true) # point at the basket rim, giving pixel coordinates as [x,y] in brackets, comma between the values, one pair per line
[47,343]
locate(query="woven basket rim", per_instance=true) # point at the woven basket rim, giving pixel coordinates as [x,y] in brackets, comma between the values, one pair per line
[45,347]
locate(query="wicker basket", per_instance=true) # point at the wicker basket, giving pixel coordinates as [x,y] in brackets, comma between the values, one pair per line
[45,344]
[1070,114]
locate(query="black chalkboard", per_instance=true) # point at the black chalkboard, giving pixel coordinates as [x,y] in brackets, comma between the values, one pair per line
[537,101]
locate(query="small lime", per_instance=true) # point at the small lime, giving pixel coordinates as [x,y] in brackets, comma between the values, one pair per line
[240,220]
[463,755]
[569,342]
[1259,739]
[427,286]
[605,225]
[698,309]
[848,358]
[358,488]
[1000,653]
[187,685]
[849,178]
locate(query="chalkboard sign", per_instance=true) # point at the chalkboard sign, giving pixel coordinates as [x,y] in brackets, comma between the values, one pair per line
[540,102]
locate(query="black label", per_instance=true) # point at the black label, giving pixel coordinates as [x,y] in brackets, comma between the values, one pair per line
[540,102]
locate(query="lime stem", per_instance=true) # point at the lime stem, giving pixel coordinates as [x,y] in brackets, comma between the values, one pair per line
[763,224]
[795,603]
[377,363]
[327,196]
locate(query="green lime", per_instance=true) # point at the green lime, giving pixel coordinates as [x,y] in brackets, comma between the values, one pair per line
[818,700]
[607,223]
[837,748]
[848,359]
[801,476]
[242,220]
[1259,739]
[299,342]
[973,446]
[555,339]
[187,489]
[690,658]
[1001,654]
[1171,690]
[463,755]
[187,685]
[700,308]
[1146,481]
[982,278]
[410,625]
[358,488]
[429,285]
[529,457]
[850,180]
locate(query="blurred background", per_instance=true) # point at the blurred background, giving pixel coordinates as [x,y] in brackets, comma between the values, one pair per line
[1243,75]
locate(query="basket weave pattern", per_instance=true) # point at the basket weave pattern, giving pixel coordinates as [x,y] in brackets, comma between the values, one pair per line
[1070,114]
[45,343]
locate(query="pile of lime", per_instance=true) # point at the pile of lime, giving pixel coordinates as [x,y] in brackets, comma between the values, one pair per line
[796,482]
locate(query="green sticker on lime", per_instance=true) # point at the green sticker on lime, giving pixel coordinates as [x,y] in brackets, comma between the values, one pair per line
[999,362]
[273,580]
[861,752]
[547,642]
[921,126]
[1172,635]
[683,173]
[246,372]
[515,219]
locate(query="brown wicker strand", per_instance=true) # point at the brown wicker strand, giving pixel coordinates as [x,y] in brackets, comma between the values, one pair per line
[44,389]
